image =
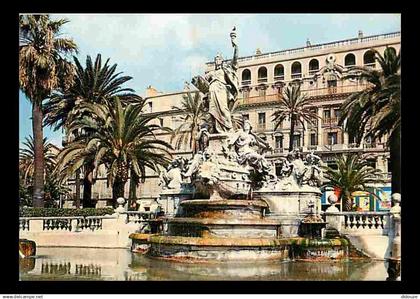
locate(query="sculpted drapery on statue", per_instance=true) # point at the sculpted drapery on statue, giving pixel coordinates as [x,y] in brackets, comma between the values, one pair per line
[221,88]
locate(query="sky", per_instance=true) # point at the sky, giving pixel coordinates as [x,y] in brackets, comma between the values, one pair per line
[165,50]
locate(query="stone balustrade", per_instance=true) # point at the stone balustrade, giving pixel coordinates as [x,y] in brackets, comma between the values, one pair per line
[359,222]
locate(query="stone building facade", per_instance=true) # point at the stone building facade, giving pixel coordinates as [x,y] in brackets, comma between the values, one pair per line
[319,69]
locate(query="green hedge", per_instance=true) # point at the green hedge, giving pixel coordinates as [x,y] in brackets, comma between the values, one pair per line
[57,212]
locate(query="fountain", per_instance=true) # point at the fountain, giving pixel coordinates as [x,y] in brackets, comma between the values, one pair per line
[231,204]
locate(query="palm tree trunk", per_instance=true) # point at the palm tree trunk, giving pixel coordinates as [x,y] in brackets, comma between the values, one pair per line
[77,199]
[292,133]
[132,190]
[348,202]
[118,189]
[38,184]
[395,149]
[87,186]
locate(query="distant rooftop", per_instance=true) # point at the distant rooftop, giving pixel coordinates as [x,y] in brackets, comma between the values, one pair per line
[343,42]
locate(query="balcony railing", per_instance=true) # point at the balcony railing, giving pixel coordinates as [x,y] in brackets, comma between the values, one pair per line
[312,147]
[278,150]
[279,78]
[260,99]
[334,90]
[296,75]
[246,82]
[330,120]
[313,72]
[262,80]
[372,65]
[309,92]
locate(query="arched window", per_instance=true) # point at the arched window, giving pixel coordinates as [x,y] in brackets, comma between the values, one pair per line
[390,49]
[279,72]
[246,77]
[350,60]
[296,70]
[313,66]
[369,58]
[262,74]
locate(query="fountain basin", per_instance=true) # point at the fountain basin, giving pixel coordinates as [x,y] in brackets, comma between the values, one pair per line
[224,228]
[218,249]
[224,208]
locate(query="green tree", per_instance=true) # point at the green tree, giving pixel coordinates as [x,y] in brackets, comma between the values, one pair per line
[53,190]
[353,173]
[295,107]
[375,111]
[192,115]
[120,139]
[27,159]
[94,83]
[43,67]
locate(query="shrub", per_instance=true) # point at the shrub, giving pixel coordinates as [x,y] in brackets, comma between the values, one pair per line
[59,212]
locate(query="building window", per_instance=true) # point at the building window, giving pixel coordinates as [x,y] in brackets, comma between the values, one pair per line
[391,49]
[350,60]
[296,141]
[313,66]
[161,122]
[337,113]
[371,162]
[261,118]
[369,58]
[332,165]
[245,93]
[332,138]
[279,141]
[296,70]
[246,77]
[332,86]
[279,72]
[278,169]
[314,140]
[262,74]
[150,106]
[327,114]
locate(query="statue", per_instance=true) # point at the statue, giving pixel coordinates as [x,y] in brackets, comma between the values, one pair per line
[221,88]
[331,71]
[243,142]
[315,173]
[171,178]
[202,138]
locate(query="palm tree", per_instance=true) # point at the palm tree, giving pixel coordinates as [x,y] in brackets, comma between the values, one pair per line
[353,173]
[375,111]
[27,159]
[43,68]
[94,83]
[120,139]
[192,115]
[295,107]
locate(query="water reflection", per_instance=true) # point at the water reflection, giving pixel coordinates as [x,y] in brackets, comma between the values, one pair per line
[121,264]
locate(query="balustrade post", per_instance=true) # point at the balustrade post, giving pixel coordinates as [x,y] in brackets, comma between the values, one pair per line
[333,218]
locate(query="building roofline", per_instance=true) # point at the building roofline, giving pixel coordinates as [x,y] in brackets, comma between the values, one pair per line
[315,47]
[170,94]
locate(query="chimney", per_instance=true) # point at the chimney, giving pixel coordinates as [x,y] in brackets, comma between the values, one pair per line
[360,34]
[258,51]
[308,42]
